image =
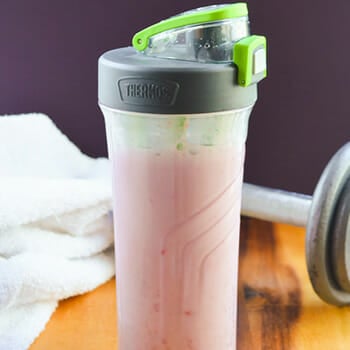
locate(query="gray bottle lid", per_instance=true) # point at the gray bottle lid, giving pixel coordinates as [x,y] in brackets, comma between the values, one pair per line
[201,61]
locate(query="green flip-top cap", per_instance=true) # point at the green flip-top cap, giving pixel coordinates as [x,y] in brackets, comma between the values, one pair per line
[189,18]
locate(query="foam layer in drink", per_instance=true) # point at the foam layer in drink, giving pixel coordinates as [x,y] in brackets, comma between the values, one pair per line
[177,216]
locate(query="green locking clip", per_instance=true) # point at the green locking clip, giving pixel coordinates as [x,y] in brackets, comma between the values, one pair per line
[249,54]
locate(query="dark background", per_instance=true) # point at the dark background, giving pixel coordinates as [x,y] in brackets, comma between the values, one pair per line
[48,63]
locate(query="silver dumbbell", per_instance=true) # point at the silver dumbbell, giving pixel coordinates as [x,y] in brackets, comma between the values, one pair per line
[326,216]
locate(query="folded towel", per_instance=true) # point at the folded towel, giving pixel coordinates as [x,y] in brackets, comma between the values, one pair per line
[55,225]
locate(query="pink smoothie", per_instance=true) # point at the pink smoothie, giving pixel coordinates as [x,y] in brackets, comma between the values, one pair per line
[177,217]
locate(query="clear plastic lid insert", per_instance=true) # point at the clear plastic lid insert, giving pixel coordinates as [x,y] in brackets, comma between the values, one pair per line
[206,34]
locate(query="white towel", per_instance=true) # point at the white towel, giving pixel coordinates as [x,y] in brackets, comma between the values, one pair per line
[55,225]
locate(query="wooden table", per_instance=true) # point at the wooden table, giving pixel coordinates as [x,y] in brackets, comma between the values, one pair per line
[278,308]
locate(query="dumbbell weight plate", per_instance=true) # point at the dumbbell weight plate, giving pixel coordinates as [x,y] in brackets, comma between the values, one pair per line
[319,237]
[340,249]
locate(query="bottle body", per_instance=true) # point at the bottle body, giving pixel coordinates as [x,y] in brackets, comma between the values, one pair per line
[177,183]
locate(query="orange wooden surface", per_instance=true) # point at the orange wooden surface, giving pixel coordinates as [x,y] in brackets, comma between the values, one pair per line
[86,322]
[277,306]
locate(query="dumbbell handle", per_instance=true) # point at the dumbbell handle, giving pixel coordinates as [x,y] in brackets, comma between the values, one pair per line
[275,205]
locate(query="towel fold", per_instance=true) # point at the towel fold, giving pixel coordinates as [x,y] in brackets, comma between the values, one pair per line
[56,230]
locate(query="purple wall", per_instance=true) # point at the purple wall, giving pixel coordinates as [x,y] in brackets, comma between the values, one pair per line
[48,63]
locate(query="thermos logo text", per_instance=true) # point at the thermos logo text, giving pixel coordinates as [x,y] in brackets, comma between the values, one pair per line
[148,92]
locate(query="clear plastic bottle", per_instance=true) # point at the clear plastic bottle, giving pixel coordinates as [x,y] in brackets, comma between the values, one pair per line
[177,180]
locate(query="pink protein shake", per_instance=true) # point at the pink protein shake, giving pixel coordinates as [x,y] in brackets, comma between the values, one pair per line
[177,217]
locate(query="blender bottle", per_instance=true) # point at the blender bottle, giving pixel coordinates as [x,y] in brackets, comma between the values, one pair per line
[176,110]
